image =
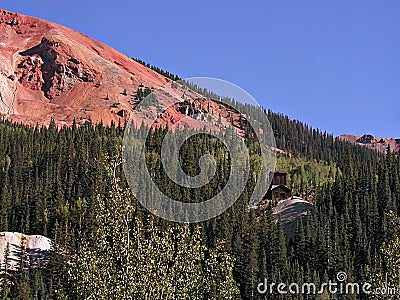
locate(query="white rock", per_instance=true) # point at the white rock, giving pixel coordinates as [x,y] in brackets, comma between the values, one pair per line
[35,245]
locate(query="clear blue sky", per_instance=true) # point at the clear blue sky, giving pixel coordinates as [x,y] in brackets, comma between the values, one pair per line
[332,64]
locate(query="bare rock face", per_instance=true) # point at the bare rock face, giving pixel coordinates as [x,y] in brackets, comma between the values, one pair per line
[378,144]
[36,247]
[366,139]
[288,212]
[50,71]
[29,72]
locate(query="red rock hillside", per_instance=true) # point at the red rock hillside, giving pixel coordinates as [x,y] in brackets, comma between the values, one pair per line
[50,71]
[368,140]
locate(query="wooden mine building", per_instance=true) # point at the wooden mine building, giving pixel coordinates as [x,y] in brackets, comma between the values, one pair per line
[278,189]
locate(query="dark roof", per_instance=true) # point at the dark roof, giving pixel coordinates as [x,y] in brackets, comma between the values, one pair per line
[279,172]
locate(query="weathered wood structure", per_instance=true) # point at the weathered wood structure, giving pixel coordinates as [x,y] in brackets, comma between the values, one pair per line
[278,189]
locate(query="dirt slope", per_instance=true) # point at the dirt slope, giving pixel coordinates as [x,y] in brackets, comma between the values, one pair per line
[50,71]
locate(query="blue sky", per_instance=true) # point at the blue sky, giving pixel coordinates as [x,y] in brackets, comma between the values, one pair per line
[332,64]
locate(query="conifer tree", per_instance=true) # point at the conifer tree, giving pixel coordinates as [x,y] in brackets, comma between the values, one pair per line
[127,258]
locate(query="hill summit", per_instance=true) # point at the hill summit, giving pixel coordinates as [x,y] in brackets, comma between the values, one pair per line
[50,71]
[370,141]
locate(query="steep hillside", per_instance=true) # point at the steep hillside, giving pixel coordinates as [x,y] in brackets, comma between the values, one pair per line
[50,71]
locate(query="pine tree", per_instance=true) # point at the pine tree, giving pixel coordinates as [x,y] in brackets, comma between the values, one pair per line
[126,258]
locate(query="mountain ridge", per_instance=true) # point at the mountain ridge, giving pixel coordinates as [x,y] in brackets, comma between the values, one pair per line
[51,71]
[372,142]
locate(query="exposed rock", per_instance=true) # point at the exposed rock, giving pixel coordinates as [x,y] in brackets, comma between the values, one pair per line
[378,144]
[289,211]
[36,247]
[48,71]
[366,139]
[29,72]
[60,73]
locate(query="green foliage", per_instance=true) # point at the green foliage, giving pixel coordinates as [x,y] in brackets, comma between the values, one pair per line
[304,174]
[53,183]
[158,70]
[384,271]
[127,258]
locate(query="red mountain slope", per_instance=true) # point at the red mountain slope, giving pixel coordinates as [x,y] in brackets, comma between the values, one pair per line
[368,140]
[50,71]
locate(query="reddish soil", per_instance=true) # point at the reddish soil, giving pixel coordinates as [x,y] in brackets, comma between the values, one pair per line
[50,71]
[378,144]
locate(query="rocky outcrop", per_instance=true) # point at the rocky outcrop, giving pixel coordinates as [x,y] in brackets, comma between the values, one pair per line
[14,243]
[29,72]
[366,139]
[288,212]
[378,144]
[48,71]
[45,68]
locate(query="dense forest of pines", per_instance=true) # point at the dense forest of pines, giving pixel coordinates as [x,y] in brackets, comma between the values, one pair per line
[51,179]
[56,182]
